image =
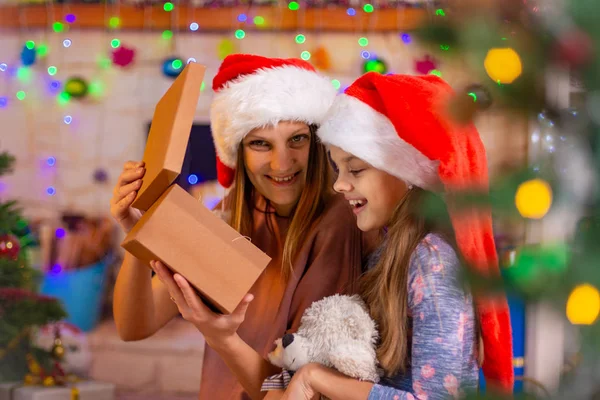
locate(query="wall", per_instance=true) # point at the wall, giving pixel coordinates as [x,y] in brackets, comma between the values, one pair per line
[109,128]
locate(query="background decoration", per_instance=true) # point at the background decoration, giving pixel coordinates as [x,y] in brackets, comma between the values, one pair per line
[172,67]
[375,65]
[28,54]
[225,48]
[76,87]
[21,306]
[123,56]
[425,65]
[320,58]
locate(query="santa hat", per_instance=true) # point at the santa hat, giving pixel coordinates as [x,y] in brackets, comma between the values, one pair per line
[252,92]
[397,124]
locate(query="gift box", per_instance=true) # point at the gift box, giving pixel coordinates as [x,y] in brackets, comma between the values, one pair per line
[176,228]
[88,390]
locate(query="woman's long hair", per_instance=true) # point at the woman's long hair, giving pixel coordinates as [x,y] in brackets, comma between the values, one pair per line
[241,202]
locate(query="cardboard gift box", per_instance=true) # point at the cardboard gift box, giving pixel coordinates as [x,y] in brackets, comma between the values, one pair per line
[176,228]
[87,390]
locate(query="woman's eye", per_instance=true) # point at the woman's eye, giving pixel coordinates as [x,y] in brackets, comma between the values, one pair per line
[259,143]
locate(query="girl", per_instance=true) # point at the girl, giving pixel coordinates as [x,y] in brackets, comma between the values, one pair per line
[391,142]
[262,119]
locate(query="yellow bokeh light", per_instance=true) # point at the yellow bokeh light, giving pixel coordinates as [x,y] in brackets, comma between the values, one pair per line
[583,305]
[503,65]
[533,198]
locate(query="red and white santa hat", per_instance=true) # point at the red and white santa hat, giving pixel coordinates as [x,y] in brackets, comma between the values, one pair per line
[252,92]
[398,124]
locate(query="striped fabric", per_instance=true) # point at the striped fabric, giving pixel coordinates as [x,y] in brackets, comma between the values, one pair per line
[277,382]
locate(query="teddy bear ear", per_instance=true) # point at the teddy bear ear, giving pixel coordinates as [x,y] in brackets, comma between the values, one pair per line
[276,356]
[355,360]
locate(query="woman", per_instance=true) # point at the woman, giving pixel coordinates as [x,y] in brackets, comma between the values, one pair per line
[391,143]
[263,119]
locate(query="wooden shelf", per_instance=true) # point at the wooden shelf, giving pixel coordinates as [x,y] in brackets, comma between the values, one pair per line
[96,16]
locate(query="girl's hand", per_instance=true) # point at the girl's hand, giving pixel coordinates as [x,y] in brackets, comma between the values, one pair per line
[130,181]
[217,329]
[300,387]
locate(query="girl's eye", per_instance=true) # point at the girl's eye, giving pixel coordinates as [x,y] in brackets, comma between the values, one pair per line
[356,172]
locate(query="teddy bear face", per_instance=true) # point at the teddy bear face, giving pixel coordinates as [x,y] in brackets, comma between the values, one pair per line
[336,332]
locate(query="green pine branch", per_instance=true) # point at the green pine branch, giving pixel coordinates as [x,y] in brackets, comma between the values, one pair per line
[6,163]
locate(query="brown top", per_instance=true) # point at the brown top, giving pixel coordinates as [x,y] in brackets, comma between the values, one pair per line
[329,262]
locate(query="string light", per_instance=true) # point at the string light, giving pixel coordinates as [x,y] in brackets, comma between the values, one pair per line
[30,44]
[114,22]
[3,67]
[440,12]
[503,65]
[21,95]
[583,305]
[293,6]
[190,60]
[52,70]
[406,38]
[3,101]
[58,26]
[168,7]
[300,39]
[240,34]
[194,26]
[351,12]
[167,34]
[259,21]
[533,198]
[54,85]
[51,161]
[365,54]
[60,233]
[42,50]
[115,43]
[435,72]
[50,191]
[368,8]
[24,74]
[363,41]
[70,18]
[67,43]
[336,84]
[192,179]
[305,55]
[68,119]
[202,87]
[242,18]
[444,47]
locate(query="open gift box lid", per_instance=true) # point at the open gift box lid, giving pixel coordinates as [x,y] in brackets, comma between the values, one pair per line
[169,135]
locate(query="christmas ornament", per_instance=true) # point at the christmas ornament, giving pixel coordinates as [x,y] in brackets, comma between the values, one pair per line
[58,350]
[9,246]
[320,59]
[123,56]
[533,198]
[480,95]
[583,306]
[172,67]
[28,54]
[425,65]
[375,65]
[76,87]
[574,48]
[100,175]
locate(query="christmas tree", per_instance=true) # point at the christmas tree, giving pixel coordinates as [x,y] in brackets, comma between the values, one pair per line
[22,309]
[513,48]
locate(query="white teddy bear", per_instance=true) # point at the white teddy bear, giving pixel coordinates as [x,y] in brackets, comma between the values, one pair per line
[337,332]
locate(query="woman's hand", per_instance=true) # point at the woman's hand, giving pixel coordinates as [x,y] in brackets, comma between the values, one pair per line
[300,387]
[217,329]
[130,181]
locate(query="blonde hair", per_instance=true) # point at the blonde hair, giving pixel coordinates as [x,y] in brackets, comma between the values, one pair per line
[385,286]
[317,189]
